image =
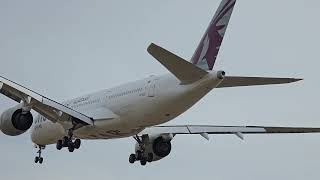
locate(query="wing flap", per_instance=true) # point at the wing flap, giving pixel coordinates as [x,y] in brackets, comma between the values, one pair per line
[236,81]
[101,114]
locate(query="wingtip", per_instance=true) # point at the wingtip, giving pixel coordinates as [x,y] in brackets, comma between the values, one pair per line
[150,47]
[296,79]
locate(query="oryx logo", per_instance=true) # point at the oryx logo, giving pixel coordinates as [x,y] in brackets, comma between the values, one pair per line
[207,51]
[202,61]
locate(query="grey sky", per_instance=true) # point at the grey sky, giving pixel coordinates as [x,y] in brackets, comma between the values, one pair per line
[64,49]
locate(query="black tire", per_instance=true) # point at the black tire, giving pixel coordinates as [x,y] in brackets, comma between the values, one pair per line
[143,162]
[36,159]
[65,141]
[139,155]
[132,158]
[70,146]
[59,145]
[150,157]
[77,143]
[71,149]
[41,160]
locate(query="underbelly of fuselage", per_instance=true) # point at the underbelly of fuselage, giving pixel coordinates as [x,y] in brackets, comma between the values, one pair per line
[149,111]
[49,133]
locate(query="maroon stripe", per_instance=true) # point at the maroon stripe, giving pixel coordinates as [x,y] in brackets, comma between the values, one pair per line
[223,13]
[223,8]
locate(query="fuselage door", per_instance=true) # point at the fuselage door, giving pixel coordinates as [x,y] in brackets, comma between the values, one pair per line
[151,86]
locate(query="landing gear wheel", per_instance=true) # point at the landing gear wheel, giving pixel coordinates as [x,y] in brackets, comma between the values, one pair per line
[132,158]
[36,159]
[65,141]
[143,162]
[40,160]
[139,155]
[70,146]
[59,145]
[77,143]
[150,157]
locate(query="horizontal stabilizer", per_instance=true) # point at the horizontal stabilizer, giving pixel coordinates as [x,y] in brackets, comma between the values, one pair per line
[236,81]
[185,71]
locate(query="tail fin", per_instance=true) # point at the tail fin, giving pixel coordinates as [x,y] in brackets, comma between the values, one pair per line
[207,51]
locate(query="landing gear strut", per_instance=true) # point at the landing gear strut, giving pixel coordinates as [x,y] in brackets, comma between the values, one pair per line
[141,154]
[67,142]
[39,158]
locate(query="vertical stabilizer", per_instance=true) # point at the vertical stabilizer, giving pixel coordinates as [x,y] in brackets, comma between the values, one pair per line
[208,48]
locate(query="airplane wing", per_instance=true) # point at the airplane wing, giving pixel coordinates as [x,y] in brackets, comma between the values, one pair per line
[204,130]
[50,109]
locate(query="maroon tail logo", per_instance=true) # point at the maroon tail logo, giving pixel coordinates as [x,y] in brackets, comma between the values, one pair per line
[208,49]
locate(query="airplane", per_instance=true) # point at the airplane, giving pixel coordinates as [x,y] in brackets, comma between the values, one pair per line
[137,109]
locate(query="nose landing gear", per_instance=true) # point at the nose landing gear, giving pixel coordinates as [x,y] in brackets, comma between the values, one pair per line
[39,158]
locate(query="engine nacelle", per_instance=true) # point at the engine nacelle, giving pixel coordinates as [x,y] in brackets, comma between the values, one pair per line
[14,121]
[159,146]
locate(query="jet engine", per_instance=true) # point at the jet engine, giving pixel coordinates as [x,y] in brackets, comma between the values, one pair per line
[15,121]
[160,148]
[152,148]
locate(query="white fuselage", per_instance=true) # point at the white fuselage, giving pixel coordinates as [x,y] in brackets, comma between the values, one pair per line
[133,107]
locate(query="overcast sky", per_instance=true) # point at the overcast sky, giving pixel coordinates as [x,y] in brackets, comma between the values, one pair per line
[64,49]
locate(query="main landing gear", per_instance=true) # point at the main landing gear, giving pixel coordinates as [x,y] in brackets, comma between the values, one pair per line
[39,159]
[141,154]
[68,142]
